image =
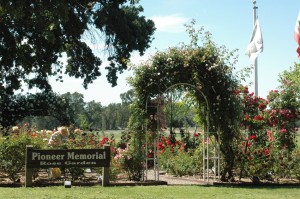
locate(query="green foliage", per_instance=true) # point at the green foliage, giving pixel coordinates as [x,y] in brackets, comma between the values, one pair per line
[76,172]
[133,166]
[265,150]
[283,116]
[67,109]
[289,80]
[295,164]
[41,122]
[182,156]
[128,157]
[117,111]
[16,107]
[288,95]
[56,28]
[94,115]
[13,149]
[134,158]
[201,68]
[35,36]
[127,97]
[180,163]
[180,109]
[83,123]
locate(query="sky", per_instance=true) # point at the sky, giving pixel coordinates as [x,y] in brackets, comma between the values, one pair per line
[231,24]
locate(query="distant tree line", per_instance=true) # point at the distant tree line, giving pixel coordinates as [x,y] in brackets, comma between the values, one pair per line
[86,115]
[95,116]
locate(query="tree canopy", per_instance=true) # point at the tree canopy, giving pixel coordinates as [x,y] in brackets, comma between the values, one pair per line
[35,34]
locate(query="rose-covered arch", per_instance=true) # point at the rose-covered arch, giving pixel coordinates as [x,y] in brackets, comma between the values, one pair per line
[207,68]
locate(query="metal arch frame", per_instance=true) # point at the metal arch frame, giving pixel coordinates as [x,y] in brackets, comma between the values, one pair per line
[205,145]
[155,141]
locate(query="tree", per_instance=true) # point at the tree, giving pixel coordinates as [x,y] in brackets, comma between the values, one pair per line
[178,108]
[94,114]
[83,122]
[127,97]
[36,35]
[77,105]
[41,122]
[107,114]
[17,107]
[110,116]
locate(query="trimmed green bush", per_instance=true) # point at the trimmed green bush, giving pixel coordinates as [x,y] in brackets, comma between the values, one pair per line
[12,153]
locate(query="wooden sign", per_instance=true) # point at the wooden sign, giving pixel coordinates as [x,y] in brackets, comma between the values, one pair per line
[65,159]
[68,158]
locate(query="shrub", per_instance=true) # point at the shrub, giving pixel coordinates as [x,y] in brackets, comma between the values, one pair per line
[179,162]
[295,164]
[130,161]
[76,172]
[12,152]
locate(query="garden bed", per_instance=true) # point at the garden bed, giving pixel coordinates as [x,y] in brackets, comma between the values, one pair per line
[89,179]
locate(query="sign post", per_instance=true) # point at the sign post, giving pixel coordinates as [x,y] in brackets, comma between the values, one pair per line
[28,170]
[105,171]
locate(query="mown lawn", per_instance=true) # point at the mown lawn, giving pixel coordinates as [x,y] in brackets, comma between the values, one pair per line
[147,192]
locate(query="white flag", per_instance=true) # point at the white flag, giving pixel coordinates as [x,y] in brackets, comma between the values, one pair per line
[256,43]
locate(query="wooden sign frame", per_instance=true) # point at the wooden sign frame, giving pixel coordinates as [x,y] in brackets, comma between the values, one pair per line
[36,158]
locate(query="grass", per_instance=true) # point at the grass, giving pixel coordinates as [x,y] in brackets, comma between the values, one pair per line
[151,192]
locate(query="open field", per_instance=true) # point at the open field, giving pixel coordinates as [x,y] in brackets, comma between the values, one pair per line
[117,134]
[145,192]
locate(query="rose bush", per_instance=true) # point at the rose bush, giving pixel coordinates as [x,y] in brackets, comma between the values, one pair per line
[269,136]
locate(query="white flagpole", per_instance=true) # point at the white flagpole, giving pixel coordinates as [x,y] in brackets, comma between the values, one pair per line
[255,61]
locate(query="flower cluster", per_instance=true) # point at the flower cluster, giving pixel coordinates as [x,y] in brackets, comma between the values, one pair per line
[269,133]
[165,143]
[103,141]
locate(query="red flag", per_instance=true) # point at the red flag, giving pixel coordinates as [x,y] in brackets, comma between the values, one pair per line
[297,34]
